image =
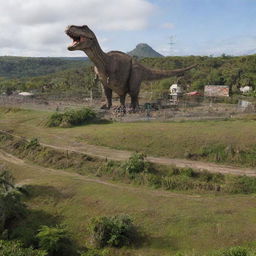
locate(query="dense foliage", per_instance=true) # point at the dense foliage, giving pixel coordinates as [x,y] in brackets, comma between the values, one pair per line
[55,75]
[14,248]
[18,67]
[236,251]
[225,70]
[114,231]
[55,241]
[11,205]
[72,118]
[136,164]
[79,82]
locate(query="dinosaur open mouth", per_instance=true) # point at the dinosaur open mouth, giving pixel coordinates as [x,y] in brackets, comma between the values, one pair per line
[76,39]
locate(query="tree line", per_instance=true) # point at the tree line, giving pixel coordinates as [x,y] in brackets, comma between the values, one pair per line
[60,74]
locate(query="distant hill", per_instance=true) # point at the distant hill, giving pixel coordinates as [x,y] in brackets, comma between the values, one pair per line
[18,67]
[250,52]
[144,51]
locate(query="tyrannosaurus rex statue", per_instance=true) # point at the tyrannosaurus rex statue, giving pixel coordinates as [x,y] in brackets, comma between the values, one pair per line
[116,70]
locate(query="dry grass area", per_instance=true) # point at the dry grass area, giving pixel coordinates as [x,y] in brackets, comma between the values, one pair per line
[174,223]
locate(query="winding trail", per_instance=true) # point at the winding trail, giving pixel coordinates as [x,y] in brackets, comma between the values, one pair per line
[122,155]
[4,156]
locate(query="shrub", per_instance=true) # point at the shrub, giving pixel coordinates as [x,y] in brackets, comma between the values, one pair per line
[6,181]
[55,120]
[55,241]
[154,180]
[189,172]
[136,164]
[11,205]
[114,231]
[241,184]
[71,118]
[234,251]
[32,144]
[14,248]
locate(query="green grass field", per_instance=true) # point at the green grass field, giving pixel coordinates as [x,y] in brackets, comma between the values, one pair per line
[170,139]
[193,223]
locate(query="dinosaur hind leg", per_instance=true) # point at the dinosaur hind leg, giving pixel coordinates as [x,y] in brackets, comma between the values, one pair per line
[134,101]
[134,88]
[122,100]
[122,103]
[108,94]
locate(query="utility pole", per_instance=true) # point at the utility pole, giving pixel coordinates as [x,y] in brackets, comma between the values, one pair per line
[171,44]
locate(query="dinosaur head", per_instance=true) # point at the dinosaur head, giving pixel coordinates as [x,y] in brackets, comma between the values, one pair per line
[82,36]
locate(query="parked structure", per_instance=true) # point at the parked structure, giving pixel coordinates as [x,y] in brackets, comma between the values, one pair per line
[216,91]
[245,89]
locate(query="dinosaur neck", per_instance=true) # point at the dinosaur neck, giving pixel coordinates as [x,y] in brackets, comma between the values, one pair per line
[98,57]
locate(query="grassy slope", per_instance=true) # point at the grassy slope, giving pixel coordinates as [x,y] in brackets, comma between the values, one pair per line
[154,138]
[177,222]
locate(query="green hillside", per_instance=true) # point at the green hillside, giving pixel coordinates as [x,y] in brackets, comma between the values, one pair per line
[18,67]
[234,72]
[68,74]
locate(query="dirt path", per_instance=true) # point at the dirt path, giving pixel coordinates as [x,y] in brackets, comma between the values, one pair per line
[122,155]
[17,161]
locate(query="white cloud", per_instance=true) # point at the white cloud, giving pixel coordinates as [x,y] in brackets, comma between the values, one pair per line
[37,27]
[232,46]
[168,25]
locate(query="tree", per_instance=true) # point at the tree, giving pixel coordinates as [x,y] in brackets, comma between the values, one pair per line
[55,241]
[11,205]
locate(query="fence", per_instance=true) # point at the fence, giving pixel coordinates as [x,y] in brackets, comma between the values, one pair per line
[186,108]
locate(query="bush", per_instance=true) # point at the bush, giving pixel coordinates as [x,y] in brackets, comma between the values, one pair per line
[55,241]
[189,172]
[114,231]
[32,144]
[6,181]
[136,164]
[11,205]
[14,248]
[71,118]
[234,251]
[55,120]
[241,184]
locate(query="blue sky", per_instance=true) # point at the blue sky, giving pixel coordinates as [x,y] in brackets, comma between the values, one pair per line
[210,26]
[198,27]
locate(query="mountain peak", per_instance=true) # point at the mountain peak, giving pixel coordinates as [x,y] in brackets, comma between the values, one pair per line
[143,50]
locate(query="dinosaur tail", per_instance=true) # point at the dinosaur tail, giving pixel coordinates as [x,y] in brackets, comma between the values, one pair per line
[153,74]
